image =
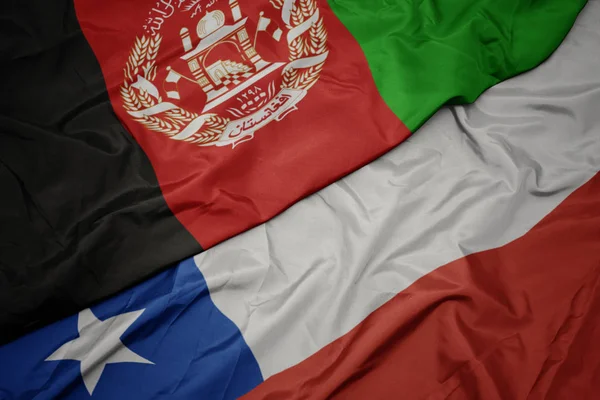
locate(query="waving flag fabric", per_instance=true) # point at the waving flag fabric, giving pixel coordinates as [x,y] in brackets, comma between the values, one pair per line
[265,25]
[474,180]
[138,133]
[463,264]
[168,326]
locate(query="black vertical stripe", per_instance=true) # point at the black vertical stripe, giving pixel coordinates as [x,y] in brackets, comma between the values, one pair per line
[81,213]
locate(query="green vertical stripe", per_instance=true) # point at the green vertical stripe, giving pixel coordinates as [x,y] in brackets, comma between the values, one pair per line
[424,53]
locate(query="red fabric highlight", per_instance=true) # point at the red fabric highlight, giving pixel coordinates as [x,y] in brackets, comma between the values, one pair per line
[217,192]
[515,322]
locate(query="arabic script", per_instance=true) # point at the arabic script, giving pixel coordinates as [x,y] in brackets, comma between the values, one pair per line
[162,10]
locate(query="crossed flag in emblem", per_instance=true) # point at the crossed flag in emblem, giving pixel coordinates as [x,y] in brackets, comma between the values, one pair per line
[267,25]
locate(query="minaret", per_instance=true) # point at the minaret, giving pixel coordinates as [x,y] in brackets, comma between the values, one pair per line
[235,10]
[185,39]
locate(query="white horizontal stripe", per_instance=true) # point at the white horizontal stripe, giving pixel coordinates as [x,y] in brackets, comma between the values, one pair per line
[474,178]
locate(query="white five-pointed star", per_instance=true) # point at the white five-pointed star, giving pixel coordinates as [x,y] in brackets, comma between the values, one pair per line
[99,343]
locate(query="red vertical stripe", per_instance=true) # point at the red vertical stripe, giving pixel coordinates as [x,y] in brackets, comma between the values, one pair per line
[515,322]
[217,192]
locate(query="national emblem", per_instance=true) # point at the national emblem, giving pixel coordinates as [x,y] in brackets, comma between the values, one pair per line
[222,79]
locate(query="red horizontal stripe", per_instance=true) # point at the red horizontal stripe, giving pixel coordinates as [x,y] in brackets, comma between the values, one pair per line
[515,322]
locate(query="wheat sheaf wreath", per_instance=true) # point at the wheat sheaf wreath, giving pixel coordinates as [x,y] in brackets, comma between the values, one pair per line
[142,62]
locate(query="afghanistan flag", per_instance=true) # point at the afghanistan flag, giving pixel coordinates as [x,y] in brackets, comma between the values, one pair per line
[137,133]
[461,265]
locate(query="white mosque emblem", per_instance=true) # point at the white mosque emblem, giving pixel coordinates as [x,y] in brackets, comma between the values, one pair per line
[220,59]
[222,79]
[210,23]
